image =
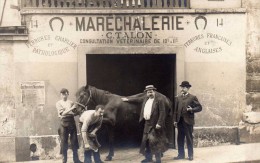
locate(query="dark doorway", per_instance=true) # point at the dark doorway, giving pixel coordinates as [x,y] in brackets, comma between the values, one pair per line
[129,74]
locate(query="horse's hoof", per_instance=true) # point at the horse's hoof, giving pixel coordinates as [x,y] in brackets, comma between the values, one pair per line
[108,158]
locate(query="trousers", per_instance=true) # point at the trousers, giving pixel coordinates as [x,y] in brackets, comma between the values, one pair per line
[185,131]
[65,132]
[87,156]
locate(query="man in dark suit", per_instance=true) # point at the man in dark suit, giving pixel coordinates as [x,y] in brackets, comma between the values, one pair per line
[153,114]
[186,105]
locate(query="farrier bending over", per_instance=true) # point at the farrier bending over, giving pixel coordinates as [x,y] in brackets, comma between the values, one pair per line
[90,123]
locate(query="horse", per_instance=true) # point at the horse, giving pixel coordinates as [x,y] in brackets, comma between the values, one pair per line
[116,110]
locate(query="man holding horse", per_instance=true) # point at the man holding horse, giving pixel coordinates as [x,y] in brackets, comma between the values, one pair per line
[67,126]
[153,114]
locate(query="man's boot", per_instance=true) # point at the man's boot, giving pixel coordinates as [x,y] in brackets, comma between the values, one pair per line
[158,157]
[97,157]
[64,156]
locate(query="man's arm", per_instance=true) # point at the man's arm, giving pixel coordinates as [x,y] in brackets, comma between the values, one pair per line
[68,111]
[97,128]
[161,119]
[135,98]
[84,130]
[175,111]
[85,140]
[198,106]
[60,109]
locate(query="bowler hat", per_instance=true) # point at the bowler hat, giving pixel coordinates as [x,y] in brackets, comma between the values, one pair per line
[149,87]
[185,84]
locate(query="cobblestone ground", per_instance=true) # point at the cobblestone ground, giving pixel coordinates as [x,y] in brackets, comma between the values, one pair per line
[229,153]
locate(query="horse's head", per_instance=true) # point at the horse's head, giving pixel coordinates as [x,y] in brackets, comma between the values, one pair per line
[83,97]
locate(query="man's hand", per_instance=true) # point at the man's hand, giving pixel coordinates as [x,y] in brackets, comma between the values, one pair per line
[175,124]
[158,126]
[68,110]
[92,135]
[124,99]
[86,146]
[189,108]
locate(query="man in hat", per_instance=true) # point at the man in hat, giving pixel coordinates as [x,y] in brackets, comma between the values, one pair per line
[153,114]
[67,126]
[186,105]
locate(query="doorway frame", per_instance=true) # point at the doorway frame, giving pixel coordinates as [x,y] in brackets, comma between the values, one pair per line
[178,51]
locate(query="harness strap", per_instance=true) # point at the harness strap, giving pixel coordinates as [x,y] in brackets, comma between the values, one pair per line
[81,105]
[85,106]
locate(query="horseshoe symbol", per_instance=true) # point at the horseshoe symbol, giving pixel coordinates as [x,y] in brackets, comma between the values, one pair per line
[56,18]
[203,18]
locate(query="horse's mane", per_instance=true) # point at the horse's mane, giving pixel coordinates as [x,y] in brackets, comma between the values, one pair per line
[80,90]
[99,90]
[92,88]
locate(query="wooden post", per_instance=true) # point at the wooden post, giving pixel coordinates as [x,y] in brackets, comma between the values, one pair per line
[182,3]
[40,3]
[140,3]
[59,3]
[188,4]
[170,4]
[159,3]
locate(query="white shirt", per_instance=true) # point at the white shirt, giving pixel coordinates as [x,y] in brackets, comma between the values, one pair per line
[88,118]
[62,106]
[148,108]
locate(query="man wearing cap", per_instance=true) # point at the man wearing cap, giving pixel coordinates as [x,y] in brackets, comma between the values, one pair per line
[67,126]
[186,105]
[153,114]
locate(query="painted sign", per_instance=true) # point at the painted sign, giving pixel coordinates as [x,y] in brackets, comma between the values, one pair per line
[207,37]
[64,45]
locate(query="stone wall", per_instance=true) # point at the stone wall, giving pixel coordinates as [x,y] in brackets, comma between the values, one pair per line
[7,103]
[253,55]
[250,126]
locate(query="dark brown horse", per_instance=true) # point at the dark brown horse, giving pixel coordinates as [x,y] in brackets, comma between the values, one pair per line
[117,111]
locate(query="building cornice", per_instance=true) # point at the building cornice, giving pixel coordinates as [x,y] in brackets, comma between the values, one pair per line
[31,11]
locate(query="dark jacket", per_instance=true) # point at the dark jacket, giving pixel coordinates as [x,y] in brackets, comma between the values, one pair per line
[182,103]
[157,138]
[157,113]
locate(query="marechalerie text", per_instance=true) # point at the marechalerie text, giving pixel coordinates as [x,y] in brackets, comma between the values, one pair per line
[129,23]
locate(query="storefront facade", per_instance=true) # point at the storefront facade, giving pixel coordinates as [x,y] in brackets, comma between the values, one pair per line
[71,47]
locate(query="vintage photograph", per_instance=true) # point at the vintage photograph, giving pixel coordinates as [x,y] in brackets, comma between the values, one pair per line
[129,81]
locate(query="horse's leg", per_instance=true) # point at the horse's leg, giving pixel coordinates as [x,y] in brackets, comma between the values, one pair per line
[110,130]
[111,143]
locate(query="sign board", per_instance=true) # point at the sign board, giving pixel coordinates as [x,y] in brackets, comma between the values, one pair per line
[33,94]
[206,38]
